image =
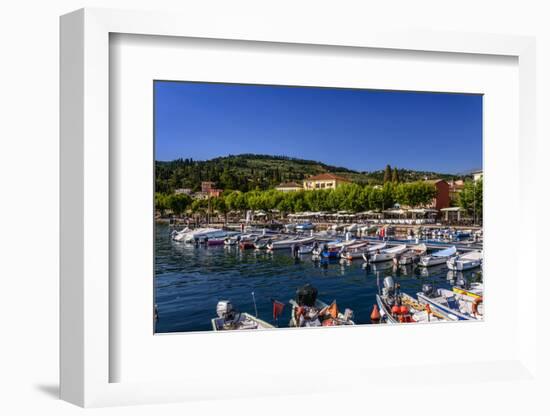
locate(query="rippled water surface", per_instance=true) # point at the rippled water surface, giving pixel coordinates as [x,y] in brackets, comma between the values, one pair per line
[189,281]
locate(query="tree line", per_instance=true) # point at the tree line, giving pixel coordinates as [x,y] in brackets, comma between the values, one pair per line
[249,172]
[349,197]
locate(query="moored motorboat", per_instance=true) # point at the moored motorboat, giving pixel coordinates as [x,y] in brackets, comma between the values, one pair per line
[454,305]
[361,250]
[305,226]
[179,235]
[466,261]
[229,319]
[289,242]
[438,257]
[387,254]
[412,255]
[308,311]
[395,306]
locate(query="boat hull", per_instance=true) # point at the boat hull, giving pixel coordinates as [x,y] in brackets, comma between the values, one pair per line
[217,323]
[432,261]
[461,265]
[443,309]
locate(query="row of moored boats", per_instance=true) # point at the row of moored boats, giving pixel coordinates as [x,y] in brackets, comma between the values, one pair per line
[463,302]
[351,249]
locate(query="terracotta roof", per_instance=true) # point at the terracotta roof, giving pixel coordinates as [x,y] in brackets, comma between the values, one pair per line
[289,185]
[327,176]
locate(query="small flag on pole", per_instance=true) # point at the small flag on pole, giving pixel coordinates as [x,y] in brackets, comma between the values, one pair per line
[277,308]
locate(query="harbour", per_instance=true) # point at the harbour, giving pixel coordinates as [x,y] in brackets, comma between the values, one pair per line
[192,277]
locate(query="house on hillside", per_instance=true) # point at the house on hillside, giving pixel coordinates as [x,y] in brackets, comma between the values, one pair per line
[208,189]
[289,187]
[478,174]
[324,181]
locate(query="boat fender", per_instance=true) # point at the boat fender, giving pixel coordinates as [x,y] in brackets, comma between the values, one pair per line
[475,305]
[375,314]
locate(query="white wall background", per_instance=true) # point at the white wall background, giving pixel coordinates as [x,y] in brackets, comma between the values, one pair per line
[29,56]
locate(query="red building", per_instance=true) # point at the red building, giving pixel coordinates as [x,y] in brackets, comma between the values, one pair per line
[207,188]
[443,197]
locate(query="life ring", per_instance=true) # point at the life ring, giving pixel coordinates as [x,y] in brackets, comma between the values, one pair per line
[475,305]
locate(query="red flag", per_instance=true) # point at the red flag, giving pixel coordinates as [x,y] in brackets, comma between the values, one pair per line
[277,308]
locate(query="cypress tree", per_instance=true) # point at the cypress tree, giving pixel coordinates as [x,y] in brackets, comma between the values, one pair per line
[387,174]
[395,176]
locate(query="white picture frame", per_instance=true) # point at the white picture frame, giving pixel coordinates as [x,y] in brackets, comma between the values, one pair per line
[86,166]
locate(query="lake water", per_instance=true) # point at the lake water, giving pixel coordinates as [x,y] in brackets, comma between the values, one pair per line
[189,281]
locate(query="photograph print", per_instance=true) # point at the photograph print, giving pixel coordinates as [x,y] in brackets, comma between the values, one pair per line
[282,207]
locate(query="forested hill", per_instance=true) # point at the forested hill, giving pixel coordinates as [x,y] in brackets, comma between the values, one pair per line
[246,172]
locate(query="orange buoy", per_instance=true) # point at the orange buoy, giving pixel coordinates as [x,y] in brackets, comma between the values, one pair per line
[404,310]
[375,314]
[395,310]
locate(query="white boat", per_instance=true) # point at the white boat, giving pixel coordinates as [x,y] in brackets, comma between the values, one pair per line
[398,307]
[305,226]
[288,243]
[438,257]
[454,305]
[467,261]
[412,255]
[290,227]
[204,237]
[229,319]
[189,235]
[387,254]
[357,251]
[332,249]
[180,235]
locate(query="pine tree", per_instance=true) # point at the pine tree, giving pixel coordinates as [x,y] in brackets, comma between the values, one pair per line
[395,176]
[387,174]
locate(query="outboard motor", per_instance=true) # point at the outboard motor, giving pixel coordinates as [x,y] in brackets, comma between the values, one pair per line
[389,283]
[306,295]
[461,282]
[389,287]
[428,289]
[225,310]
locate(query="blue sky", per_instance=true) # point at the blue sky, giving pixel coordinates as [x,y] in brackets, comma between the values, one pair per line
[358,129]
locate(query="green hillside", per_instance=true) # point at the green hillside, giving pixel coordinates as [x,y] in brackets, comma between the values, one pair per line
[247,172]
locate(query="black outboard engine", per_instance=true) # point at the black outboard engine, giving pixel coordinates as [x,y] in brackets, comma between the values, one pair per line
[306,295]
[428,289]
